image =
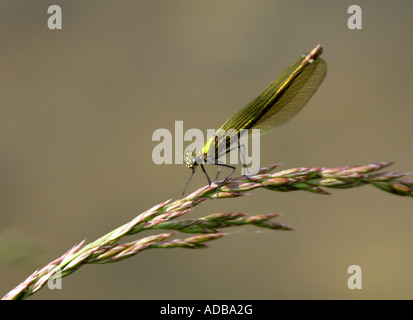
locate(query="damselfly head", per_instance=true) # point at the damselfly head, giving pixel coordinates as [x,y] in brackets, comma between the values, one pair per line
[190,159]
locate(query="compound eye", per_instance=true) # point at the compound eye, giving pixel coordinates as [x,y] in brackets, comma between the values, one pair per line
[190,159]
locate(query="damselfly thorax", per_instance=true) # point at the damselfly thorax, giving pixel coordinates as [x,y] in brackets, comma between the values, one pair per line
[214,148]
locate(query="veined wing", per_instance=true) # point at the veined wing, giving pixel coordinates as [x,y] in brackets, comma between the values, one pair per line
[283,98]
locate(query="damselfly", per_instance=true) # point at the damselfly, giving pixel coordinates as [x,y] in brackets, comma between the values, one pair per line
[277,104]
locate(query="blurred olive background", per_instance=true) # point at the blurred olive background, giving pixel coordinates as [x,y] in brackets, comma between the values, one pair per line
[79,106]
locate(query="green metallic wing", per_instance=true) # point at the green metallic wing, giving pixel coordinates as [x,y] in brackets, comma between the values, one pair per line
[280,101]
